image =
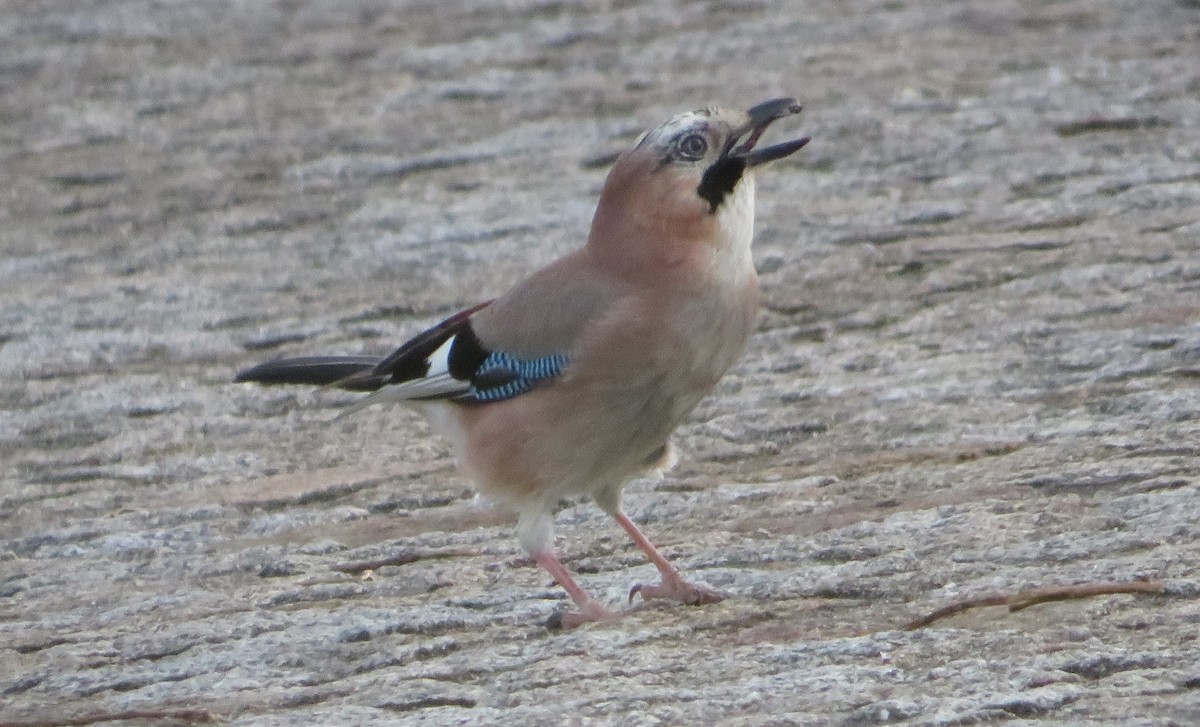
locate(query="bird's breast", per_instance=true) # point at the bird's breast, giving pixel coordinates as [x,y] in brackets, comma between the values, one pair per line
[709,333]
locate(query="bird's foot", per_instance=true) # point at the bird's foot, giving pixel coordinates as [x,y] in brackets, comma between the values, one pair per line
[589,611]
[677,589]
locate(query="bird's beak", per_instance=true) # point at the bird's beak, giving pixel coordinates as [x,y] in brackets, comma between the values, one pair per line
[743,138]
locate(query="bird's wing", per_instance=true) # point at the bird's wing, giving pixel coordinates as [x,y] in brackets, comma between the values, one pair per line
[491,352]
[450,362]
[506,347]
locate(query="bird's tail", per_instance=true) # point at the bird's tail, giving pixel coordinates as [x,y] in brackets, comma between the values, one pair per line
[352,373]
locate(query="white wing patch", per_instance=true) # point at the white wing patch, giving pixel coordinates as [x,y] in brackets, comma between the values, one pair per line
[437,383]
[439,360]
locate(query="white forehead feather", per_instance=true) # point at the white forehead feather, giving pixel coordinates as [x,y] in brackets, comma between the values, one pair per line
[668,130]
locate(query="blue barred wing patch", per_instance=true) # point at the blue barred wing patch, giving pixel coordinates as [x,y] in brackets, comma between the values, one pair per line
[503,376]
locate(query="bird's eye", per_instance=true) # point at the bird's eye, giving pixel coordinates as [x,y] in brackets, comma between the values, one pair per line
[692,146]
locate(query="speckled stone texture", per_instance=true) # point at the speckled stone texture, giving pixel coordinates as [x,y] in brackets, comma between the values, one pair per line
[977,369]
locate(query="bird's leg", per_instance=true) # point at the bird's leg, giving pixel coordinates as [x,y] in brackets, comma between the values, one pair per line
[535,530]
[673,586]
[589,609]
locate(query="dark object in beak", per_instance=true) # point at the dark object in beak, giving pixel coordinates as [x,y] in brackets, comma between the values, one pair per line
[761,116]
[768,111]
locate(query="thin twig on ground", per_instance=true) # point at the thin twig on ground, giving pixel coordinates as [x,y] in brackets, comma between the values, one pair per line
[189,716]
[401,558]
[1033,596]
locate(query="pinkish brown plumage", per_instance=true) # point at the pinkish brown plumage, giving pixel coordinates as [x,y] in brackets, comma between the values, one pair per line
[571,383]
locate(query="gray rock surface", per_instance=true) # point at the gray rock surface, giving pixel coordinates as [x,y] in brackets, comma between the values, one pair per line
[977,370]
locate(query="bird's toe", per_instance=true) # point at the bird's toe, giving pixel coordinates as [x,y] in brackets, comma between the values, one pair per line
[690,593]
[588,612]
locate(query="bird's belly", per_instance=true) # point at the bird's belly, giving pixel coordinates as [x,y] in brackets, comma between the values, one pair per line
[593,429]
[559,442]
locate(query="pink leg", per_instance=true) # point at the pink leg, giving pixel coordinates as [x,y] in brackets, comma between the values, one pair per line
[589,608]
[673,585]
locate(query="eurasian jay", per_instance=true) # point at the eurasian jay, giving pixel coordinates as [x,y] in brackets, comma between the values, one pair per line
[571,383]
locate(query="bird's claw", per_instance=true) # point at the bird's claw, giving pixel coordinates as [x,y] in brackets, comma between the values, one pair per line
[588,612]
[682,591]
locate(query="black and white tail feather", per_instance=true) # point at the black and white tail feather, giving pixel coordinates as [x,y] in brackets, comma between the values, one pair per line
[445,362]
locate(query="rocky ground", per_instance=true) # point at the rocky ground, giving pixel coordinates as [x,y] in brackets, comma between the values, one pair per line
[977,370]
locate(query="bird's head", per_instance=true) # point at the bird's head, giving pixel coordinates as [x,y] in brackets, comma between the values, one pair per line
[689,180]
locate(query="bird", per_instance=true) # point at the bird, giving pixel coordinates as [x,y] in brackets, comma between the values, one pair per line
[570,384]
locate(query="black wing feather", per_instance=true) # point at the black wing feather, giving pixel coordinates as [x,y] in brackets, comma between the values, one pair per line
[361,373]
[411,360]
[354,373]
